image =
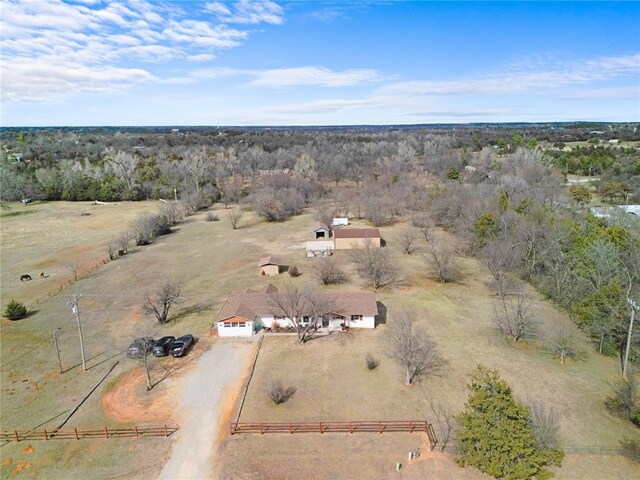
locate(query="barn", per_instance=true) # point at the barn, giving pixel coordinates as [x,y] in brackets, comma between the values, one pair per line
[347,238]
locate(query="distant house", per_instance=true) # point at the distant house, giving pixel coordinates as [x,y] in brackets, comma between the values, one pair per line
[319,248]
[249,310]
[346,238]
[270,266]
[320,230]
[340,222]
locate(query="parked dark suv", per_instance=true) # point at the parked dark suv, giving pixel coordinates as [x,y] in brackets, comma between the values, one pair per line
[181,345]
[162,346]
[140,347]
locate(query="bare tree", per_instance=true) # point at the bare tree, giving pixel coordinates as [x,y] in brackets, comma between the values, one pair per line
[514,318]
[500,257]
[564,345]
[329,271]
[73,267]
[305,307]
[413,348]
[407,238]
[234,217]
[546,425]
[424,223]
[123,165]
[160,302]
[173,211]
[444,420]
[124,239]
[376,265]
[442,263]
[112,250]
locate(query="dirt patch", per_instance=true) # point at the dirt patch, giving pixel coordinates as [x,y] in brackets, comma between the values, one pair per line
[129,401]
[28,449]
[7,461]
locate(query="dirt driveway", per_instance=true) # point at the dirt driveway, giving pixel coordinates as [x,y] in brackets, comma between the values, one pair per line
[206,401]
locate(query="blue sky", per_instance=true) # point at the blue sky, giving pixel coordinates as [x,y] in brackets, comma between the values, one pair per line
[90,62]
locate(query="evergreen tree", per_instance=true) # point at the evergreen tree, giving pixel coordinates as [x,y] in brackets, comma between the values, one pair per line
[496,434]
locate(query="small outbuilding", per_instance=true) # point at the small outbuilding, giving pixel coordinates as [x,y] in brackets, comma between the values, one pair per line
[320,231]
[347,238]
[270,266]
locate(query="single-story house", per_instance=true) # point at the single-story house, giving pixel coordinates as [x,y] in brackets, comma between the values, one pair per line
[248,311]
[340,222]
[319,248]
[320,230]
[270,266]
[346,238]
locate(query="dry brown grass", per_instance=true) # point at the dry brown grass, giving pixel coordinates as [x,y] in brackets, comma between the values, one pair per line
[211,259]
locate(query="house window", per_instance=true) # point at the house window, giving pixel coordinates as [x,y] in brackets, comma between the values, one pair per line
[306,319]
[355,318]
[227,324]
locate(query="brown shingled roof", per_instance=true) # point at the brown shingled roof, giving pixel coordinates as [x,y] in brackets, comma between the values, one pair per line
[250,303]
[357,233]
[269,261]
[319,226]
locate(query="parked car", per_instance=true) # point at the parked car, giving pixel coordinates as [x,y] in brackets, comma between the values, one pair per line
[181,345]
[140,347]
[162,346]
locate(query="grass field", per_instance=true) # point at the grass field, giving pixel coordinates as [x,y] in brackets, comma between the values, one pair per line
[210,260]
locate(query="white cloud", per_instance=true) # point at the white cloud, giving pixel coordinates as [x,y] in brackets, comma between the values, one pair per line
[313,76]
[201,57]
[527,78]
[247,12]
[102,39]
[47,82]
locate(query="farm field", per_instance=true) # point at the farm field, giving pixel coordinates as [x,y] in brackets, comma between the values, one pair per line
[210,260]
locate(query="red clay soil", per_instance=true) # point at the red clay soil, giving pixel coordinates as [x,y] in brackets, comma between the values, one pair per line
[129,401]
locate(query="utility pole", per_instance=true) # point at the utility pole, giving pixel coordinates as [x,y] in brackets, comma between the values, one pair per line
[76,312]
[634,306]
[55,343]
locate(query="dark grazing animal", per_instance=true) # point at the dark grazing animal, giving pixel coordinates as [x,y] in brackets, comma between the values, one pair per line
[25,277]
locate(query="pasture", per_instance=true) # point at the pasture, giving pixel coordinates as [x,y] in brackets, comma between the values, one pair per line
[210,260]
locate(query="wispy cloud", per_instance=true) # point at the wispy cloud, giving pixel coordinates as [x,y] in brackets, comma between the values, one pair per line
[100,40]
[247,12]
[527,78]
[313,76]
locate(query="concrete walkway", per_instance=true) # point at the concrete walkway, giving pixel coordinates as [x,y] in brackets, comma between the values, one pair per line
[202,393]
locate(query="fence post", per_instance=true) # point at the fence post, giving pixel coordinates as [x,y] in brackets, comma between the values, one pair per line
[165,430]
[16,434]
[261,430]
[291,427]
[380,425]
[135,427]
[75,430]
[410,426]
[46,436]
[106,432]
[320,428]
[350,428]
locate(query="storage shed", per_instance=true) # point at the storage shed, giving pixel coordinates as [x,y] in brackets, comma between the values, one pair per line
[347,238]
[320,231]
[270,266]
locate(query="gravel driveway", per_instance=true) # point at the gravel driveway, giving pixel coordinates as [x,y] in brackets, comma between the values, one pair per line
[218,368]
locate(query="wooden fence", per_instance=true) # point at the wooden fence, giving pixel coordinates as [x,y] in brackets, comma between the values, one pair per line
[372,426]
[85,433]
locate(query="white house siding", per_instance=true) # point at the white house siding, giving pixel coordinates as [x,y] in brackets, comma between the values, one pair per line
[245,330]
[319,248]
[367,321]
